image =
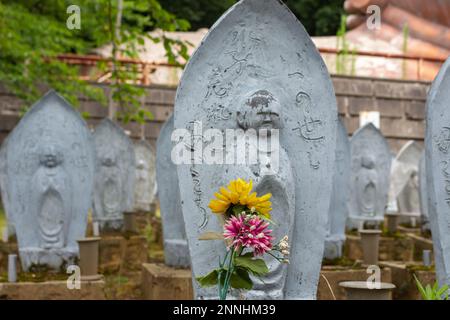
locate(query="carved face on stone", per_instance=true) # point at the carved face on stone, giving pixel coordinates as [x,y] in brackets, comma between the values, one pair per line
[368,162]
[414,179]
[50,156]
[260,109]
[108,159]
[141,165]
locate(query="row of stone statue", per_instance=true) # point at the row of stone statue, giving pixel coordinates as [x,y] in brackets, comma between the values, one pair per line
[53,170]
[256,70]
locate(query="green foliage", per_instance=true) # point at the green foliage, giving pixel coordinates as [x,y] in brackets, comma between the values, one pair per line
[320,17]
[405,33]
[2,218]
[240,279]
[235,273]
[209,280]
[432,292]
[344,51]
[255,266]
[34,32]
[28,45]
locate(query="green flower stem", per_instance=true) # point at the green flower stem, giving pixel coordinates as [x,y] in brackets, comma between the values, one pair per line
[223,291]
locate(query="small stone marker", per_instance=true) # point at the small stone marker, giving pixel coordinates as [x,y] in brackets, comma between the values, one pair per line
[371,163]
[338,211]
[114,175]
[12,268]
[50,174]
[176,251]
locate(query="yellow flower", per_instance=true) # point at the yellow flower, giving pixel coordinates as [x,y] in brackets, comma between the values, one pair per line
[238,192]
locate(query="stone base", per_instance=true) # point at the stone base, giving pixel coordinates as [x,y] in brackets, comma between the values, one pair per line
[402,277]
[117,252]
[126,286]
[420,243]
[336,274]
[122,253]
[404,229]
[160,282]
[391,249]
[52,290]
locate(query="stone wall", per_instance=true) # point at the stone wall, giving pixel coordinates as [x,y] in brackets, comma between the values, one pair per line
[401,105]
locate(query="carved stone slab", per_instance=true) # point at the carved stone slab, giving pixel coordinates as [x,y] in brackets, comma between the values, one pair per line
[145,183]
[371,164]
[404,184]
[176,252]
[437,159]
[423,194]
[338,211]
[4,188]
[114,175]
[50,172]
[258,68]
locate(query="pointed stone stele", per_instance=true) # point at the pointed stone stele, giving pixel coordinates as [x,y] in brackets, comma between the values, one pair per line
[338,211]
[176,252]
[50,175]
[371,164]
[404,181]
[114,175]
[437,172]
[256,70]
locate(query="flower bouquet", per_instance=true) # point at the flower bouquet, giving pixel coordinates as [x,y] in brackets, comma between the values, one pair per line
[248,236]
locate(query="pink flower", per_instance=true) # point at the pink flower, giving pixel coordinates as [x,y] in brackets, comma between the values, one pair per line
[249,231]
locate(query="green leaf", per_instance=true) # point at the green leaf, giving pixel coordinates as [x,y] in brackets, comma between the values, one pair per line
[238,209]
[240,279]
[209,280]
[256,266]
[420,288]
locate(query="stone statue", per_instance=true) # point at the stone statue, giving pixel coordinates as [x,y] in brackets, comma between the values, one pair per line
[176,251]
[404,185]
[50,176]
[145,183]
[338,211]
[4,188]
[437,159]
[423,194]
[258,83]
[114,175]
[371,162]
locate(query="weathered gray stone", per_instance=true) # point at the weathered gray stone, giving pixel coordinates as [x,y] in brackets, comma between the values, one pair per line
[4,188]
[371,163]
[338,211]
[423,194]
[437,158]
[145,183]
[176,251]
[404,184]
[258,68]
[114,175]
[50,172]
